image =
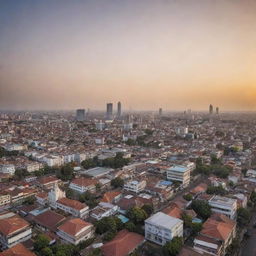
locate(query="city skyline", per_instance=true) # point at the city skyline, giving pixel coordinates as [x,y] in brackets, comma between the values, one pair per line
[146,54]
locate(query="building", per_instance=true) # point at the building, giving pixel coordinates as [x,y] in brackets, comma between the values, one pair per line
[80,115]
[75,231]
[119,110]
[224,205]
[13,229]
[74,207]
[5,199]
[48,182]
[103,210]
[211,109]
[54,195]
[217,110]
[7,168]
[179,173]
[17,250]
[216,235]
[109,113]
[82,185]
[135,186]
[160,112]
[123,244]
[42,198]
[160,228]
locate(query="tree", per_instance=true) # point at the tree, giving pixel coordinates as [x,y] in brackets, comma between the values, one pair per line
[106,224]
[89,163]
[117,182]
[66,172]
[29,200]
[41,242]
[243,216]
[109,236]
[148,208]
[196,227]
[46,252]
[202,208]
[174,246]
[130,226]
[216,190]
[137,215]
[188,197]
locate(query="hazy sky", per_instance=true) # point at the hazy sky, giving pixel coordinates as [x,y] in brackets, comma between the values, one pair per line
[174,54]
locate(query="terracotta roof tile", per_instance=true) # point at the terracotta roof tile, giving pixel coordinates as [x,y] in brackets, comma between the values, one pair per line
[17,250]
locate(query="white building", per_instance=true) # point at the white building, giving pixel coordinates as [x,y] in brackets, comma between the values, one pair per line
[7,168]
[75,231]
[179,173]
[103,210]
[82,185]
[54,195]
[135,186]
[224,205]
[161,228]
[74,207]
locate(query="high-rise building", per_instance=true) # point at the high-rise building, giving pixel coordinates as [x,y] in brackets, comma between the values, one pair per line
[109,114]
[210,109]
[160,112]
[217,110]
[119,109]
[80,114]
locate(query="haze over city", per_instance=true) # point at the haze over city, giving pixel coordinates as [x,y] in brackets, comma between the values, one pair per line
[146,54]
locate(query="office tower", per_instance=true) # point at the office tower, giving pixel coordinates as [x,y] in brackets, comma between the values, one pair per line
[217,110]
[109,114]
[210,109]
[160,112]
[119,109]
[80,114]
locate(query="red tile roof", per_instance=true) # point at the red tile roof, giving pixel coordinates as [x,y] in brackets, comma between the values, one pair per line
[73,226]
[84,182]
[123,244]
[12,224]
[110,196]
[72,203]
[17,250]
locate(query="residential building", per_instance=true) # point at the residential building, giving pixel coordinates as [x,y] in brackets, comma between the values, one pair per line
[224,205]
[82,185]
[75,231]
[179,173]
[17,250]
[160,228]
[103,210]
[135,186]
[13,229]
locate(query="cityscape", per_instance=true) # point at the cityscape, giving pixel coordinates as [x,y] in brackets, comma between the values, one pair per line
[127,128]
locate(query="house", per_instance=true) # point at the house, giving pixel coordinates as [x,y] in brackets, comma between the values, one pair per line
[123,244]
[103,210]
[216,235]
[48,220]
[74,207]
[179,173]
[48,182]
[42,198]
[17,250]
[75,231]
[135,186]
[111,197]
[224,205]
[173,210]
[13,229]
[160,228]
[5,199]
[82,185]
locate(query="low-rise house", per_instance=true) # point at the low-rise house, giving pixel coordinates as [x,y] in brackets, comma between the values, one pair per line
[111,197]
[82,185]
[135,186]
[160,228]
[5,199]
[48,182]
[42,198]
[75,231]
[123,244]
[103,210]
[74,207]
[224,205]
[13,229]
[216,235]
[17,250]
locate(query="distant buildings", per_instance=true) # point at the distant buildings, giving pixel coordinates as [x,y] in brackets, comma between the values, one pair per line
[80,115]
[160,112]
[109,113]
[217,110]
[119,109]
[210,109]
[161,228]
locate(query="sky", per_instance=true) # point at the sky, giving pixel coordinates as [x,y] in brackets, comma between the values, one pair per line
[174,54]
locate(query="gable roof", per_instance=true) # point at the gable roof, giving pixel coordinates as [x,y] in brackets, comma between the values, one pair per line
[17,250]
[123,244]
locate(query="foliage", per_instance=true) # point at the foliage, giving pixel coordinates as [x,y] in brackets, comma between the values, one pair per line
[116,162]
[66,172]
[82,245]
[130,142]
[88,163]
[108,224]
[202,208]
[46,252]
[174,246]
[216,190]
[130,226]
[29,200]
[243,216]
[188,197]
[253,197]
[4,153]
[89,199]
[137,215]
[196,227]
[148,208]
[41,242]
[20,174]
[70,193]
[109,236]
[117,182]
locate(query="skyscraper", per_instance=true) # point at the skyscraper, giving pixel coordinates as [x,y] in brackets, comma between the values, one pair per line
[109,114]
[119,109]
[217,110]
[210,109]
[80,114]
[160,112]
